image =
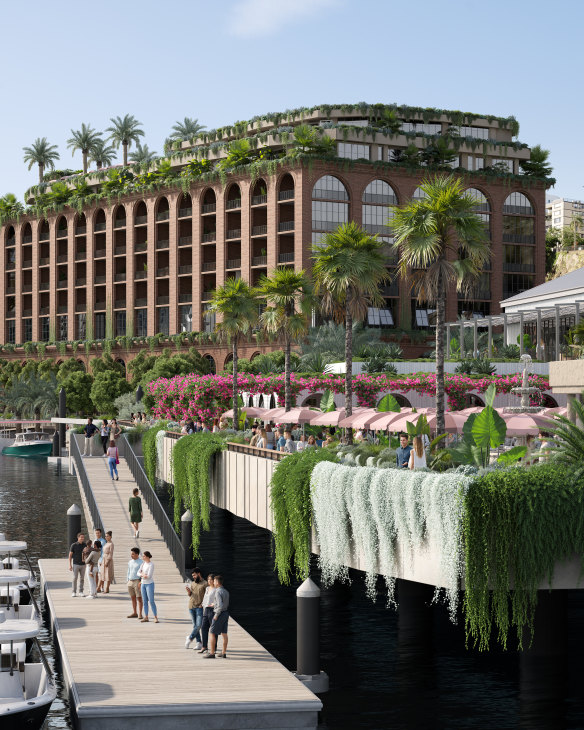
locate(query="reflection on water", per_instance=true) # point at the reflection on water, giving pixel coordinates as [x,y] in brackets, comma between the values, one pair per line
[386,670]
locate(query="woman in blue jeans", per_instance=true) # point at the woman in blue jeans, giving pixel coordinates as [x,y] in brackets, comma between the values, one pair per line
[112,458]
[146,572]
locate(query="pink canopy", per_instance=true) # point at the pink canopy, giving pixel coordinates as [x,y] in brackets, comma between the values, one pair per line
[525,424]
[332,418]
[250,412]
[383,421]
[294,415]
[453,422]
[557,411]
[348,421]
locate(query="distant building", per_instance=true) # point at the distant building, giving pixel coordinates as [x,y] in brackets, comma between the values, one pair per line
[561,212]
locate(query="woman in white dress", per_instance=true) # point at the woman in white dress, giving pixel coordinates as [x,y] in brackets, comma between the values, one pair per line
[417,454]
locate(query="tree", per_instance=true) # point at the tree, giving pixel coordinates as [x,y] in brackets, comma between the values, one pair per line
[102,154]
[442,240]
[41,153]
[240,153]
[575,227]
[538,164]
[124,131]
[553,244]
[383,118]
[142,154]
[439,153]
[83,139]
[107,386]
[78,384]
[186,129]
[237,305]
[290,296]
[10,207]
[349,266]
[309,140]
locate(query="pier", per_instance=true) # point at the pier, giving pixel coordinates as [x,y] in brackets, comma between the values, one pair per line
[118,669]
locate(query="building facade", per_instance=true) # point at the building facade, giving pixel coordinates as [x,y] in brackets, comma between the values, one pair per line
[564,212]
[149,262]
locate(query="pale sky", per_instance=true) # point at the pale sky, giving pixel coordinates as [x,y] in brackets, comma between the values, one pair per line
[66,63]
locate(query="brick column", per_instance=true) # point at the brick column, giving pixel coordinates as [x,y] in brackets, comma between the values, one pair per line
[110,326]
[53,277]
[151,263]
[303,184]
[272,187]
[89,276]
[71,276]
[221,243]
[18,329]
[130,271]
[497,199]
[197,256]
[173,303]
[245,243]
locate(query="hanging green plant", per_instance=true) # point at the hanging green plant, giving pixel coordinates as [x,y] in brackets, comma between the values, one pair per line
[149,451]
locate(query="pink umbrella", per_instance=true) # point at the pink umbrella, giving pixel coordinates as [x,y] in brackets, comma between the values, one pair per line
[348,421]
[250,412]
[384,421]
[525,424]
[332,418]
[294,415]
[468,411]
[558,411]
[453,422]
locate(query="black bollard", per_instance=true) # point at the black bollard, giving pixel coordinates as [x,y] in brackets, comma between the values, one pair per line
[56,451]
[139,394]
[186,538]
[73,523]
[62,414]
[308,638]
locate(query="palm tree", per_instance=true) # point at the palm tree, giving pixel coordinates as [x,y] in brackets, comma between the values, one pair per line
[186,129]
[41,153]
[291,298]
[237,304]
[10,207]
[569,438]
[124,131]
[102,154]
[443,240]
[349,266]
[83,139]
[142,154]
[576,226]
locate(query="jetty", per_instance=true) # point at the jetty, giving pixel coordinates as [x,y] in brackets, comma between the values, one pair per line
[124,673]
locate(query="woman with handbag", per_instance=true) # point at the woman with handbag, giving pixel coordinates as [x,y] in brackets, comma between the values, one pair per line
[115,430]
[106,573]
[113,459]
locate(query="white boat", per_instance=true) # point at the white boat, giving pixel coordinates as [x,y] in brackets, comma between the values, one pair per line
[10,562]
[10,599]
[27,689]
[30,443]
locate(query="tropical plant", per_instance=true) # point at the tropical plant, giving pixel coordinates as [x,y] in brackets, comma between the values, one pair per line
[41,153]
[142,154]
[349,266]
[187,129]
[240,153]
[383,118]
[102,154]
[439,153]
[290,300]
[236,303]
[10,207]
[442,240]
[328,342]
[569,439]
[124,131]
[150,452]
[33,396]
[377,363]
[538,163]
[310,140]
[84,140]
[409,157]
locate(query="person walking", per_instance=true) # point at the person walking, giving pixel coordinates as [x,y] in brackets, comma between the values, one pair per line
[270,439]
[134,584]
[146,573]
[89,430]
[207,607]
[113,459]
[106,571]
[402,454]
[104,432]
[91,572]
[417,458]
[135,508]
[220,619]
[115,430]
[196,592]
[77,564]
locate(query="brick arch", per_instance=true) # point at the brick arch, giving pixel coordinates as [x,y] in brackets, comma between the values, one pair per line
[487,195]
[160,203]
[340,178]
[381,178]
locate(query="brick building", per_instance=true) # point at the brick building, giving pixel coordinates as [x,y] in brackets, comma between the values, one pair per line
[148,262]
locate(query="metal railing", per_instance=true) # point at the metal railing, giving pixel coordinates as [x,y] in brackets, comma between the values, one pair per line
[270,454]
[85,485]
[169,535]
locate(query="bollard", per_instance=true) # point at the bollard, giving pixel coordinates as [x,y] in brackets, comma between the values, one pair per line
[62,414]
[186,538]
[139,394]
[73,523]
[308,638]
[56,451]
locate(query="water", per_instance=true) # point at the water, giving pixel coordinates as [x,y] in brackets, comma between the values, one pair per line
[383,674]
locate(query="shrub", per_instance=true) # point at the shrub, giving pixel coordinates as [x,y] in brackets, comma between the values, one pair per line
[149,450]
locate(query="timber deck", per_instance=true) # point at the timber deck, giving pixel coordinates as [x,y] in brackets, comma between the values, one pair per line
[130,674]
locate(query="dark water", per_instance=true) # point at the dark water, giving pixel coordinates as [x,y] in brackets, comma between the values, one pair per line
[386,670]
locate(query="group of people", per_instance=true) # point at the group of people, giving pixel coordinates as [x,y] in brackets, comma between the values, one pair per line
[209,609]
[109,433]
[92,560]
[414,456]
[282,439]
[136,418]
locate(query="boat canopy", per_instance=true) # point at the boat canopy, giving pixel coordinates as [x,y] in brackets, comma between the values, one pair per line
[17,629]
[12,546]
[13,576]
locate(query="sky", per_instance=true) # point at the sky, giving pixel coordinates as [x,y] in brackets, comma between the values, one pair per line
[66,63]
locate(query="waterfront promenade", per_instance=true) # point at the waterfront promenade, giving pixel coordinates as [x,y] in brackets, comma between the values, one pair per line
[128,674]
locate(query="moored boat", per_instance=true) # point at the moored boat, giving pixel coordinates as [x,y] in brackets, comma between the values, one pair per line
[10,562]
[30,443]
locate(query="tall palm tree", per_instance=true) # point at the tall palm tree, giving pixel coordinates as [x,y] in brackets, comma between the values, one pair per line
[41,153]
[290,296]
[443,241]
[102,154]
[124,131]
[142,154]
[237,304]
[83,139]
[349,266]
[186,129]
[576,226]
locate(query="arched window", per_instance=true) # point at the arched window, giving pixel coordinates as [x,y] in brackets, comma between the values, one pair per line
[419,194]
[211,363]
[140,213]
[330,206]
[518,204]
[81,365]
[473,401]
[233,197]
[185,206]
[62,227]
[99,221]
[26,233]
[120,217]
[80,225]
[209,201]
[43,231]
[519,244]
[259,194]
[10,236]
[286,188]
[162,210]
[402,400]
[482,207]
[312,401]
[377,197]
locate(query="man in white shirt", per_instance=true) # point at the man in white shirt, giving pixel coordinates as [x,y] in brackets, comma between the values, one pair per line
[134,587]
[220,619]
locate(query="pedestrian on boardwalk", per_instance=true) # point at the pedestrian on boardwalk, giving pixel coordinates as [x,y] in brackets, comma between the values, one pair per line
[104,433]
[77,564]
[134,587]
[207,607]
[146,572]
[113,459]
[86,550]
[196,592]
[220,619]
[106,571]
[135,507]
[402,454]
[89,430]
[91,561]
[417,458]
[115,430]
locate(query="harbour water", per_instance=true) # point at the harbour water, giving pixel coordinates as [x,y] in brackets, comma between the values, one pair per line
[383,674]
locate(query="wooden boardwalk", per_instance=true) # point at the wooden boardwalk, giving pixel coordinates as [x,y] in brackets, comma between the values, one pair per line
[140,674]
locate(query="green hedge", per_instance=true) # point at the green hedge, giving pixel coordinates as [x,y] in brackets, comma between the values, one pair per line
[149,451]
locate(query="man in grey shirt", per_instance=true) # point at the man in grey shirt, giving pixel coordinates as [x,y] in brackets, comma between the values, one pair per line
[220,619]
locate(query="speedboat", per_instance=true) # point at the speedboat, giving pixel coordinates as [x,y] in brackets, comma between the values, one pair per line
[10,562]
[27,689]
[30,443]
[10,597]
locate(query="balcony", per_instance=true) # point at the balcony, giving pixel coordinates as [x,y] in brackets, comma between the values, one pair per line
[162,300]
[185,269]
[185,298]
[27,312]
[477,295]
[138,247]
[162,244]
[120,304]
[119,250]
[209,208]
[209,237]
[207,296]
[209,266]
[185,240]
[62,309]
[185,212]
[235,203]
[81,231]
[121,223]
[44,310]
[81,255]
[62,258]
[141,302]
[259,261]
[525,268]
[99,279]
[44,285]
[390,290]
[163,216]
[259,199]
[140,220]
[259,230]
[62,284]
[233,264]
[62,233]
[286,195]
[43,236]
[44,261]
[12,241]
[120,276]
[27,287]
[100,253]
[27,239]
[27,264]
[11,265]
[233,233]
[518,238]
[162,271]
[286,226]
[99,227]
[81,281]
[141,275]
[286,258]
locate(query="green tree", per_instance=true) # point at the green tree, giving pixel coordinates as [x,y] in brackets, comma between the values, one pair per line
[10,207]
[139,366]
[443,241]
[106,363]
[107,386]
[124,131]
[383,118]
[290,297]
[142,154]
[41,153]
[78,384]
[349,266]
[553,244]
[310,140]
[240,153]
[237,305]
[186,129]
[84,140]
[538,163]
